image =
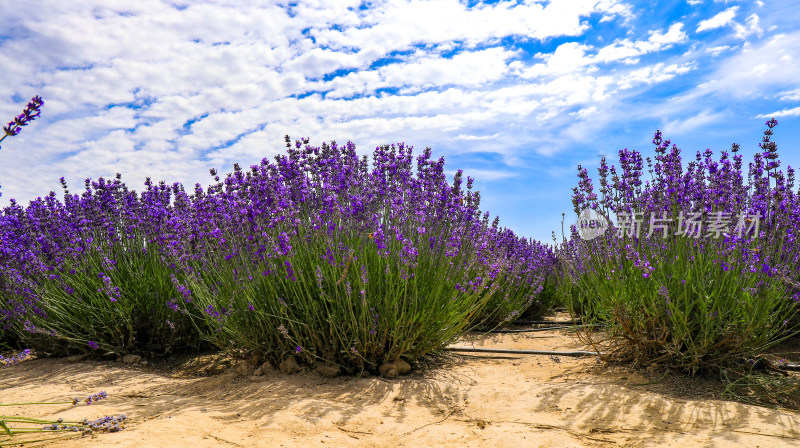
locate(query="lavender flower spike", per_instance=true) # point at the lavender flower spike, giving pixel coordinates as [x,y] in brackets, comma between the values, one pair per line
[31,111]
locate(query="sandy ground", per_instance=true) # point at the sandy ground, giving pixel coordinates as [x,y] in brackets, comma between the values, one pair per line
[458,401]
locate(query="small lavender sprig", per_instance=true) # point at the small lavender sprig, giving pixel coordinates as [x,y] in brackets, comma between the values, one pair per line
[107,423]
[31,111]
[91,398]
[21,435]
[16,359]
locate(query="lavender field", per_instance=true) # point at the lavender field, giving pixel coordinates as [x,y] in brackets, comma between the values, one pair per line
[349,263]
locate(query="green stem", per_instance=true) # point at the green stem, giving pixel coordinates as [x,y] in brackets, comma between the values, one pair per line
[32,420]
[23,404]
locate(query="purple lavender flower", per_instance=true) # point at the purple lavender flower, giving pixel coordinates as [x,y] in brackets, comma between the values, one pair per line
[90,399]
[31,111]
[375,317]
[16,359]
[289,271]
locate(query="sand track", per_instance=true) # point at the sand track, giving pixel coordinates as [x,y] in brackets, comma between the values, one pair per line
[458,401]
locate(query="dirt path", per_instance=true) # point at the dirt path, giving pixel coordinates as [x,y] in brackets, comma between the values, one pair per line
[529,401]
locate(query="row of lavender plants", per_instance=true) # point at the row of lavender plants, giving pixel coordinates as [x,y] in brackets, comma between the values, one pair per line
[700,270]
[314,255]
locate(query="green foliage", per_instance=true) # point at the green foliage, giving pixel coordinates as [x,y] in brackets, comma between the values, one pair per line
[356,309]
[690,305]
[85,310]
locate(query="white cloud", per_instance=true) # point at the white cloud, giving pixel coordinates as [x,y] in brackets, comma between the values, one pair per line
[726,17]
[686,125]
[656,42]
[653,74]
[149,89]
[742,32]
[488,175]
[756,69]
[716,51]
[470,68]
[394,25]
[571,56]
[585,112]
[790,95]
[567,58]
[718,21]
[793,112]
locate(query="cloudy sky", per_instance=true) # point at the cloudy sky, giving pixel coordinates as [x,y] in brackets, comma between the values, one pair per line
[516,93]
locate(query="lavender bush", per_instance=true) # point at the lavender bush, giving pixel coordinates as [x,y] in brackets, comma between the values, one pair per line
[314,255]
[319,257]
[93,274]
[670,291]
[530,292]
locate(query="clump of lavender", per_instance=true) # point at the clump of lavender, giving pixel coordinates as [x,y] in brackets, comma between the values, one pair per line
[318,244]
[102,260]
[318,251]
[700,268]
[531,267]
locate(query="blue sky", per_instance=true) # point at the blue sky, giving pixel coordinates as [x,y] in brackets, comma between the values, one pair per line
[515,93]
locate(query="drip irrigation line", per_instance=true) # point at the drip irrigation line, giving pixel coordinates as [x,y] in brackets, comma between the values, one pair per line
[524,330]
[531,330]
[788,366]
[578,353]
[545,322]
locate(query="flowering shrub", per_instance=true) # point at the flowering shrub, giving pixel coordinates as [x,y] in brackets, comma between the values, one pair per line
[533,275]
[671,290]
[320,257]
[87,275]
[314,255]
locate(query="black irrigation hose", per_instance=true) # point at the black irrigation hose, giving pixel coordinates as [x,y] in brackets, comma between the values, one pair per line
[578,353]
[788,366]
[530,330]
[546,322]
[524,330]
